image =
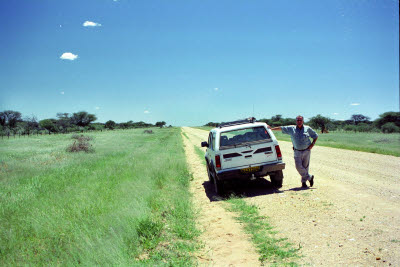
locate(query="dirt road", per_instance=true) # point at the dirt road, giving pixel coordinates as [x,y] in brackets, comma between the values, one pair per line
[350,217]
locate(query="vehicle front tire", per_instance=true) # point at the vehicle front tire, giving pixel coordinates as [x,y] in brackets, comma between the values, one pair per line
[210,174]
[277,179]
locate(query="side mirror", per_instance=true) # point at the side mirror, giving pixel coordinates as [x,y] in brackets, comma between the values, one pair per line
[204,144]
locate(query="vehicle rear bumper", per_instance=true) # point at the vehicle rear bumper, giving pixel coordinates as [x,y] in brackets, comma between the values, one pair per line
[237,174]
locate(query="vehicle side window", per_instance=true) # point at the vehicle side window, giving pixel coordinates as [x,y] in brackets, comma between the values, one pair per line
[210,141]
[213,142]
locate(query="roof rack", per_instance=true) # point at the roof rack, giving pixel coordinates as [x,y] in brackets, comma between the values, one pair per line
[232,123]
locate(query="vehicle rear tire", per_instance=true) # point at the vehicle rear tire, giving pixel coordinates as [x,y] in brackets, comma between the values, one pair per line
[277,179]
[218,185]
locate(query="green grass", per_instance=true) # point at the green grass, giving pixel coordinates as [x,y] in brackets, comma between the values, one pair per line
[379,143]
[126,203]
[272,250]
[200,153]
[185,135]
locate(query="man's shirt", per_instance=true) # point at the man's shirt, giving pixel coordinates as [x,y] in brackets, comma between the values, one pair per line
[300,137]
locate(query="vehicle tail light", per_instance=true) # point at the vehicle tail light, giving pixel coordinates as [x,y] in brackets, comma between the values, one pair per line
[217,162]
[278,152]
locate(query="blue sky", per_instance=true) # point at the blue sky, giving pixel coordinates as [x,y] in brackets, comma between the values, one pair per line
[191,62]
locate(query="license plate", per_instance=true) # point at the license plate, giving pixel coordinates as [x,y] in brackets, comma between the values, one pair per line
[250,169]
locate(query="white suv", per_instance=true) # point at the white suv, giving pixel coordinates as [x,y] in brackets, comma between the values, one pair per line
[243,149]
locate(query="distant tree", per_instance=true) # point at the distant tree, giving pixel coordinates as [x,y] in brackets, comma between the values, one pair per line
[348,122]
[278,120]
[2,119]
[129,124]
[141,124]
[364,127]
[388,117]
[49,124]
[126,125]
[160,124]
[277,117]
[358,118]
[319,121]
[110,125]
[212,124]
[390,127]
[98,126]
[288,121]
[10,118]
[82,118]
[350,128]
[332,126]
[30,124]
[63,122]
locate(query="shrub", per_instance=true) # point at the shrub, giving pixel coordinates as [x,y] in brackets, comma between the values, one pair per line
[149,232]
[390,127]
[349,128]
[363,127]
[81,144]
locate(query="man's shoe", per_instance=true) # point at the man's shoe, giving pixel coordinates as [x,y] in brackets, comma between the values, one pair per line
[312,181]
[304,185]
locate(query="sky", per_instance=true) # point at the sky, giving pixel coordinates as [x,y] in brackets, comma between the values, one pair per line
[191,62]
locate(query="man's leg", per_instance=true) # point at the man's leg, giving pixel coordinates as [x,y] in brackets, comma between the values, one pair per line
[306,163]
[302,161]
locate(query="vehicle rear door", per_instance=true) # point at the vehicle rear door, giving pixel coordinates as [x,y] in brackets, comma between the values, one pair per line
[245,154]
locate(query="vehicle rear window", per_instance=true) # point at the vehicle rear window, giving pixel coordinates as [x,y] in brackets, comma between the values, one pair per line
[248,135]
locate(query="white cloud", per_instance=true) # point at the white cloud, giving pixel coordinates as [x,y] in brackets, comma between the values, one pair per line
[354,104]
[97,108]
[91,24]
[335,113]
[216,89]
[62,92]
[146,112]
[69,56]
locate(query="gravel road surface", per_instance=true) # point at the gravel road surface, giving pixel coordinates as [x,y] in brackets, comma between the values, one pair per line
[350,217]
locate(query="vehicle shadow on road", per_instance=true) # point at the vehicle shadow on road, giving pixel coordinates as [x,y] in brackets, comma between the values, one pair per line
[244,188]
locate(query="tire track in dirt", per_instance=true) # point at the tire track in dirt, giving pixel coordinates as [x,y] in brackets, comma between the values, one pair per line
[225,243]
[350,217]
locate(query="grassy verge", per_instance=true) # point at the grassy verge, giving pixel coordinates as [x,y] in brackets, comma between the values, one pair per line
[126,203]
[185,135]
[272,250]
[200,153]
[386,144]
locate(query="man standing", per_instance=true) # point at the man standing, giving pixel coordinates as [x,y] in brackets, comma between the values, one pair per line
[302,146]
